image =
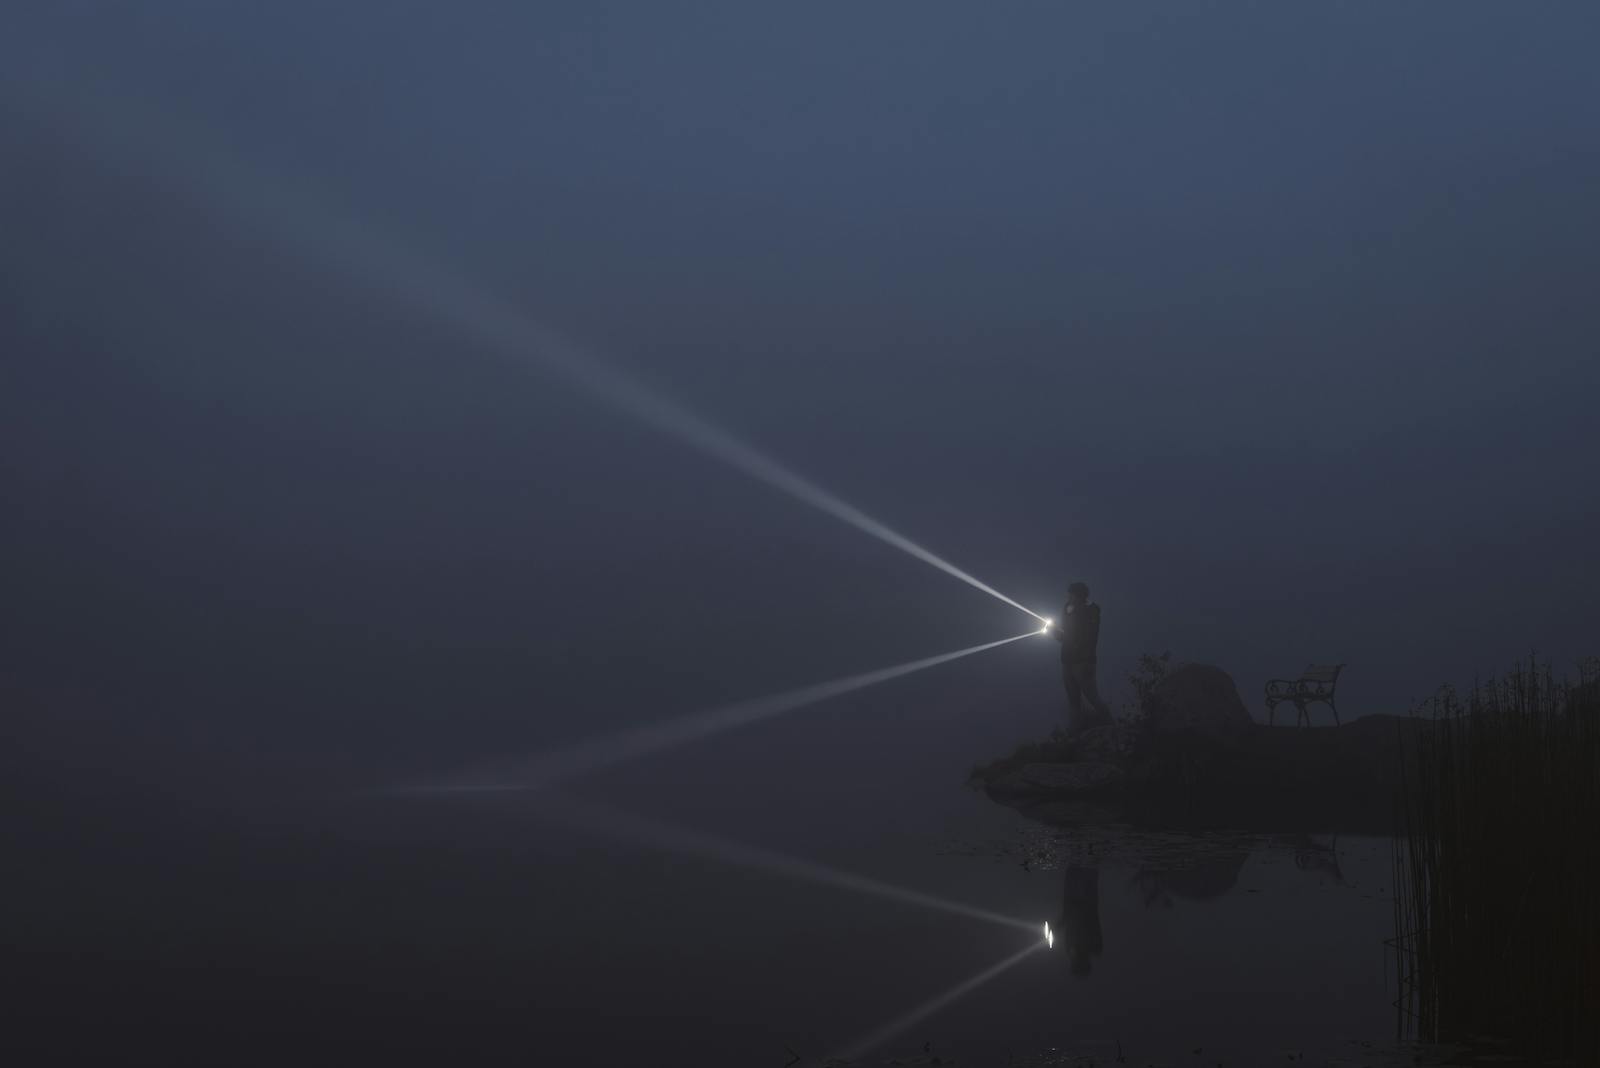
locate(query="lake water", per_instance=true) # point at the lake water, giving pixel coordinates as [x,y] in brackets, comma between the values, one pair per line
[707,924]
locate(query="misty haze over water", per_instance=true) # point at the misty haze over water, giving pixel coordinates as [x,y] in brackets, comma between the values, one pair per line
[1271,324]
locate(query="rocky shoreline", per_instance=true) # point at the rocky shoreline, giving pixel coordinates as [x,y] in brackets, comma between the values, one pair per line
[1195,754]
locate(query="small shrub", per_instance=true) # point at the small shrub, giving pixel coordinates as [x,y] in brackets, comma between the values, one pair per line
[1148,674]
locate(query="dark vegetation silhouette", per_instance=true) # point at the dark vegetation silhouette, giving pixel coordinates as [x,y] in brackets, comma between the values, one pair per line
[1148,674]
[1497,932]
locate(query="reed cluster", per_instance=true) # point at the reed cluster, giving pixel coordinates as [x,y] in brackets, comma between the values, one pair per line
[1497,866]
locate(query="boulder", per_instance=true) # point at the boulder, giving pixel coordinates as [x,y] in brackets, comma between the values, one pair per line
[1197,700]
[1080,778]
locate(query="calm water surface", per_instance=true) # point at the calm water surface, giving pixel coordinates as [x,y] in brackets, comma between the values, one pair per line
[333,926]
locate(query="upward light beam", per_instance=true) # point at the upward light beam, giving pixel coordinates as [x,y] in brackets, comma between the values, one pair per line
[160,150]
[558,766]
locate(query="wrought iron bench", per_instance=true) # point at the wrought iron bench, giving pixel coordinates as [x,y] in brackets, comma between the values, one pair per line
[1316,683]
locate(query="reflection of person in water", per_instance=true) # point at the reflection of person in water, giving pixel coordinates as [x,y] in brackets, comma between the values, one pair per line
[1080,918]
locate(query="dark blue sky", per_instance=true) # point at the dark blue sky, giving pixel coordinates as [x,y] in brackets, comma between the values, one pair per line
[1275,323]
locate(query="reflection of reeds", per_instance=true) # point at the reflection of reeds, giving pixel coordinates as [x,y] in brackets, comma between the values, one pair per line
[1497,863]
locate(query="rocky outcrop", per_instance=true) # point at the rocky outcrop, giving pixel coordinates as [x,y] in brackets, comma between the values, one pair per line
[1197,748]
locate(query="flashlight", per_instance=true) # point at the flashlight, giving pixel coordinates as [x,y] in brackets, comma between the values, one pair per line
[1049,936]
[1047,625]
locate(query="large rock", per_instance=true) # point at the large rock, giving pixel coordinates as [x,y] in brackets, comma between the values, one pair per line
[1081,778]
[1197,700]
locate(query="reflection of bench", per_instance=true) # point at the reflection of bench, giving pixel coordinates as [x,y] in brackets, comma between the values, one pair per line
[1315,683]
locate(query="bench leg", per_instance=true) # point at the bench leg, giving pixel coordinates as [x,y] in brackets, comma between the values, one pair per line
[1302,717]
[1335,712]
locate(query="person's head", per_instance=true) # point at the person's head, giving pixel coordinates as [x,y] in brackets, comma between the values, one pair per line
[1078,593]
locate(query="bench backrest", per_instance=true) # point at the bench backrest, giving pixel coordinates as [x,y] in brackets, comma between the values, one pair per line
[1321,672]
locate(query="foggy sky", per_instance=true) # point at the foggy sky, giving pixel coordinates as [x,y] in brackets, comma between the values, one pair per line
[1274,323]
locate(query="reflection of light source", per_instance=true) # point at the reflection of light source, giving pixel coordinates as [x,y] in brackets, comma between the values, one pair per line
[1049,936]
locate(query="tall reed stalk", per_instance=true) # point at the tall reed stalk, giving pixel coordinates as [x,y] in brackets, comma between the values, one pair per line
[1497,866]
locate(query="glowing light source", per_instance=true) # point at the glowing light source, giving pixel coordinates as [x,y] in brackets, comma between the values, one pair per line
[1048,623]
[163,150]
[557,766]
[1049,936]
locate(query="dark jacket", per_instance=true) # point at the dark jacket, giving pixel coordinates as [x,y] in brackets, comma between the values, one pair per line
[1079,633]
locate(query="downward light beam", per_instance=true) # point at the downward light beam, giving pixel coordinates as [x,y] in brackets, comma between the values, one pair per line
[558,766]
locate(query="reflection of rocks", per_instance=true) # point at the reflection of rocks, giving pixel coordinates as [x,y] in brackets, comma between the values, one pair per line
[1077,779]
[1205,878]
[1115,744]
[1107,841]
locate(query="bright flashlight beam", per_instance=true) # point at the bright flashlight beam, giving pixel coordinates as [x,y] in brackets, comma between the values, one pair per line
[904,1023]
[673,839]
[557,766]
[302,223]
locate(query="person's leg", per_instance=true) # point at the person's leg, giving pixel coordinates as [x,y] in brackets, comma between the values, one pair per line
[1086,682]
[1074,697]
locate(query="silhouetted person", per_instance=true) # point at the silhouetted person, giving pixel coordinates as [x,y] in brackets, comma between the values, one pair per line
[1080,918]
[1079,634]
